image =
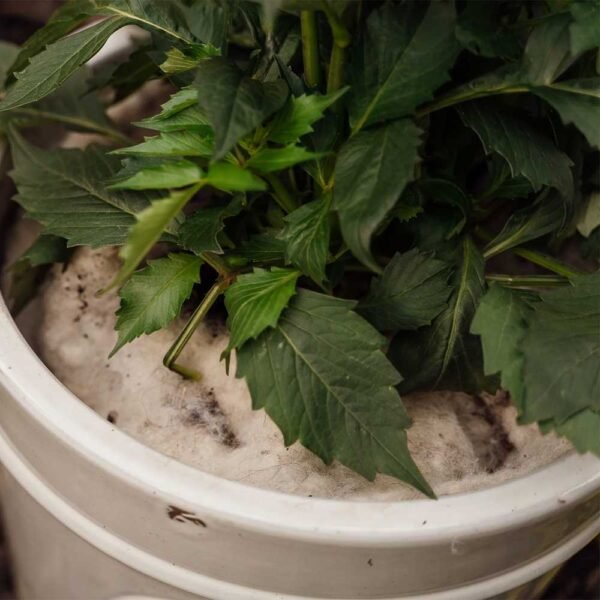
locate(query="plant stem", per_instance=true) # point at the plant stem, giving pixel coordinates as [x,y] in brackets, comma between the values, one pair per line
[217,263]
[341,35]
[542,260]
[281,193]
[466,96]
[335,76]
[184,337]
[528,281]
[310,48]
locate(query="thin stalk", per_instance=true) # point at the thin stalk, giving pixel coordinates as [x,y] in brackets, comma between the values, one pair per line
[335,76]
[542,260]
[281,193]
[310,48]
[217,263]
[341,35]
[184,337]
[114,134]
[528,281]
[460,97]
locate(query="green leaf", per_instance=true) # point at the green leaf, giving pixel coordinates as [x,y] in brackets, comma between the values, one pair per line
[153,296]
[263,248]
[231,178]
[8,53]
[306,237]
[267,160]
[589,217]
[189,118]
[29,270]
[179,101]
[255,301]
[443,355]
[155,174]
[51,67]
[562,352]
[411,292]
[501,322]
[388,76]
[148,229]
[321,376]
[64,20]
[371,171]
[234,103]
[447,192]
[548,214]
[64,190]
[298,115]
[179,61]
[199,233]
[581,430]
[584,30]
[178,143]
[578,102]
[527,152]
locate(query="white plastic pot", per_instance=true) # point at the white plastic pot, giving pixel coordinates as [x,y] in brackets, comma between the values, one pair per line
[93,514]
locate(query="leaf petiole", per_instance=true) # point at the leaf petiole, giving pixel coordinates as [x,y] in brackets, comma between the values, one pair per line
[310,48]
[528,281]
[184,337]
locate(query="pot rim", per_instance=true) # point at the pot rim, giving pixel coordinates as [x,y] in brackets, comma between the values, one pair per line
[369,523]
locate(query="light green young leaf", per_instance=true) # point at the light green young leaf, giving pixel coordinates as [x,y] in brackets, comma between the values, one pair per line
[64,190]
[548,214]
[371,171]
[578,102]
[562,352]
[200,231]
[153,296]
[589,217]
[189,118]
[178,143]
[267,160]
[306,237]
[584,30]
[443,355]
[389,80]
[180,100]
[501,322]
[155,174]
[411,292]
[148,229]
[234,103]
[231,178]
[321,376]
[527,152]
[298,115]
[51,67]
[179,61]
[255,301]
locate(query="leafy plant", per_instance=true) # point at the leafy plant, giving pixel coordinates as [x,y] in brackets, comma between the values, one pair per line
[354,177]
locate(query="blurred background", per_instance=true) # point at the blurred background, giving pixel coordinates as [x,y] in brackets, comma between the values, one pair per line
[577,579]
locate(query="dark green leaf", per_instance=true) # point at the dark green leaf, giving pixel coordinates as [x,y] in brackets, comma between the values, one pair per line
[267,160]
[8,53]
[501,321]
[371,171]
[298,115]
[306,237]
[199,233]
[562,352]
[234,103]
[388,77]
[51,67]
[321,376]
[64,190]
[527,152]
[411,292]
[443,355]
[577,102]
[263,248]
[255,301]
[584,31]
[153,297]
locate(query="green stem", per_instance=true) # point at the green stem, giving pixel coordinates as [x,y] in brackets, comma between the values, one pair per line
[281,193]
[542,260]
[335,76]
[466,96]
[528,281]
[217,263]
[76,122]
[310,48]
[341,35]
[184,337]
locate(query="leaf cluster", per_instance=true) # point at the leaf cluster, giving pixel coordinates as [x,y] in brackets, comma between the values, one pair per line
[391,196]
